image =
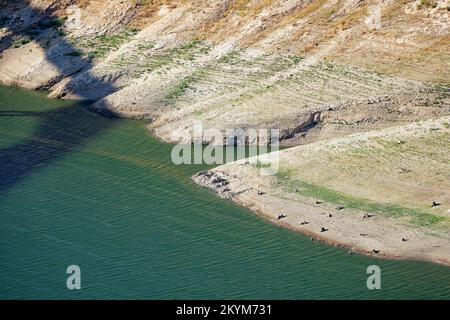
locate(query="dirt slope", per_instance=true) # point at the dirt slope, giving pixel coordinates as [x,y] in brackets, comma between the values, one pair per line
[227,63]
[372,192]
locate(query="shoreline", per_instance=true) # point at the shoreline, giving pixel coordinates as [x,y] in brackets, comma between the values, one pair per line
[237,189]
[243,193]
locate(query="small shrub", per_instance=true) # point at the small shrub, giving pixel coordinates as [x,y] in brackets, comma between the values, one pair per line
[45,44]
[74,53]
[185,85]
[296,59]
[228,58]
[51,23]
[191,44]
[427,4]
[21,41]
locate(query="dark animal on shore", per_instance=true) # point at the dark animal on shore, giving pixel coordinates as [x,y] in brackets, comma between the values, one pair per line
[435,204]
[376,251]
[404,239]
[366,216]
[260,193]
[281,216]
[323,229]
[304,222]
[339,207]
[318,202]
[363,234]
[330,215]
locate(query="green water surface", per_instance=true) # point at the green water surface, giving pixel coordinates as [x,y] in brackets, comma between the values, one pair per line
[101,193]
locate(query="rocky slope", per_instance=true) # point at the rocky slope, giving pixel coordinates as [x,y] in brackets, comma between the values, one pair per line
[232,63]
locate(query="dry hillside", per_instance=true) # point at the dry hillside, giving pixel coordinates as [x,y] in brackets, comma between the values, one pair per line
[233,63]
[371,192]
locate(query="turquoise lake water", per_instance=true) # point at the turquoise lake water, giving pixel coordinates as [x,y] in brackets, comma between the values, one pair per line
[80,189]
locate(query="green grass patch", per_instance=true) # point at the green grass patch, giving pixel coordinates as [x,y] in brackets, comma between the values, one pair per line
[100,46]
[229,58]
[157,61]
[184,85]
[418,217]
[426,4]
[191,45]
[141,2]
[74,53]
[296,58]
[180,88]
[21,41]
[51,23]
[189,50]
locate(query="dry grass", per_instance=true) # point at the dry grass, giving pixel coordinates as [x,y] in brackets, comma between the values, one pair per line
[411,166]
[314,25]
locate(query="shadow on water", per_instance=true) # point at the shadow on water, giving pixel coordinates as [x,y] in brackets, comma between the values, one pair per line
[61,130]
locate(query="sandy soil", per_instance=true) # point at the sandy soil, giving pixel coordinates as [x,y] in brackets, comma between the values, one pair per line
[346,228]
[379,234]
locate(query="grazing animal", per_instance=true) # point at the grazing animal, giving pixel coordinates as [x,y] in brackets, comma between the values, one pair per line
[366,216]
[435,204]
[339,207]
[404,239]
[323,229]
[318,202]
[304,222]
[281,216]
[376,251]
[260,193]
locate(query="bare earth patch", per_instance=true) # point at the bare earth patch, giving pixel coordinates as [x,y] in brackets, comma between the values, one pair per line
[371,192]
